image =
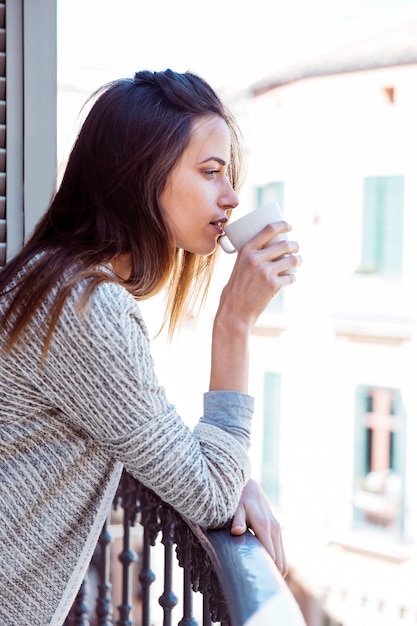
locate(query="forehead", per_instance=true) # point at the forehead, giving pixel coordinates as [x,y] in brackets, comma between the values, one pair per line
[210,133]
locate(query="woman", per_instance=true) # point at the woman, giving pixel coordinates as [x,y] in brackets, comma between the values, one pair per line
[151,180]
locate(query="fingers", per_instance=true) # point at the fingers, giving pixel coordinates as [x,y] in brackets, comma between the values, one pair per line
[287,264]
[262,529]
[271,234]
[272,542]
[280,558]
[269,532]
[258,274]
[254,511]
[271,245]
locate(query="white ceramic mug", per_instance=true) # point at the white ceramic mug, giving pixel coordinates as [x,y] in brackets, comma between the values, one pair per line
[238,233]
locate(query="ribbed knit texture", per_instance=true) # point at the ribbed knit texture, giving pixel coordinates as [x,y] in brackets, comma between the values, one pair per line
[66,430]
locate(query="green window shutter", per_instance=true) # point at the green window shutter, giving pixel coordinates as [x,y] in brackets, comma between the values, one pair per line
[394,199]
[270,452]
[361,438]
[361,450]
[382,225]
[398,454]
[270,193]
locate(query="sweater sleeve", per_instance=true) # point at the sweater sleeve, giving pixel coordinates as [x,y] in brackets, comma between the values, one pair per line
[231,411]
[99,375]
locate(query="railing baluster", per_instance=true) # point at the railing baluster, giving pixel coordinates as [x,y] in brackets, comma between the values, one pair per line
[187,618]
[149,506]
[191,554]
[146,577]
[206,612]
[104,601]
[168,599]
[126,557]
[78,616]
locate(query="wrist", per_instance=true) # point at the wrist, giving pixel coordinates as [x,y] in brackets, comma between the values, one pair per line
[230,326]
[229,360]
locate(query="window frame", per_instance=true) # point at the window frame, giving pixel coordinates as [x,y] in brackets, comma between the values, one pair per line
[363,494]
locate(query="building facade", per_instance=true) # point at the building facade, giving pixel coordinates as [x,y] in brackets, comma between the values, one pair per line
[334,358]
[334,142]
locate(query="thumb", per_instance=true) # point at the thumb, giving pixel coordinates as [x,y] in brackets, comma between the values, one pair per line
[239,521]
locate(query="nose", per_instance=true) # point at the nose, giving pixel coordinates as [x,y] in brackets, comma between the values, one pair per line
[229,198]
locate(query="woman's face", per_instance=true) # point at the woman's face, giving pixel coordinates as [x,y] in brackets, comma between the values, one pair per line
[198,193]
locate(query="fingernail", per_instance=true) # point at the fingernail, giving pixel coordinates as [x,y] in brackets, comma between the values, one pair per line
[239,527]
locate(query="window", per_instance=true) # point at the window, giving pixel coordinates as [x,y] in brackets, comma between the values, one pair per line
[379,463]
[382,233]
[270,193]
[270,447]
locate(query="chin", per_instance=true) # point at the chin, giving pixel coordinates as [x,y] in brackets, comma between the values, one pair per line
[211,250]
[206,250]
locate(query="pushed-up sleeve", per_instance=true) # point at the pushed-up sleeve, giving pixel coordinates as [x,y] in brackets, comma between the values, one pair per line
[99,375]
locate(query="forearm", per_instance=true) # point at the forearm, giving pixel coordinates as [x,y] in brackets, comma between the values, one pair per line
[254,281]
[229,355]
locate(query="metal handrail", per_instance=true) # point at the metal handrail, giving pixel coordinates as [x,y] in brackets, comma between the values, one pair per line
[255,592]
[238,580]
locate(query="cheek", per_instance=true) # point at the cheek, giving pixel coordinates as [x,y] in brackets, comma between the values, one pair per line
[167,202]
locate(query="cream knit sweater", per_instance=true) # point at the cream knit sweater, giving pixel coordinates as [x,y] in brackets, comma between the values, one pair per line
[66,430]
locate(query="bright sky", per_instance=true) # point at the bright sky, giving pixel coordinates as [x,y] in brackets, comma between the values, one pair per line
[231,43]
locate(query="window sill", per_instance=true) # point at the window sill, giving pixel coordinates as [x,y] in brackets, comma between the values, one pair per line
[372,544]
[373,328]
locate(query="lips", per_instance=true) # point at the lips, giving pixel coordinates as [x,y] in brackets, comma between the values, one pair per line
[218,225]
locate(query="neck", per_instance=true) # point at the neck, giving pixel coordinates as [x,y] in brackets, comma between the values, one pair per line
[122,265]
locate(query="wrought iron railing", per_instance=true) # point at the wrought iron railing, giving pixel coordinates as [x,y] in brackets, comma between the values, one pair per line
[238,583]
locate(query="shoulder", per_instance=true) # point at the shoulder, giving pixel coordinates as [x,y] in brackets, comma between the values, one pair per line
[108,334]
[110,296]
[110,313]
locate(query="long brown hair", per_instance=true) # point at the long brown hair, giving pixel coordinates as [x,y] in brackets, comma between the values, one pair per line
[108,202]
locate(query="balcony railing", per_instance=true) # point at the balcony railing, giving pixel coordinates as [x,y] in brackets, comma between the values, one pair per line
[230,579]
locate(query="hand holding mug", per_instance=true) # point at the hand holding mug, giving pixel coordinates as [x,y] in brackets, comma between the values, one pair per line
[240,231]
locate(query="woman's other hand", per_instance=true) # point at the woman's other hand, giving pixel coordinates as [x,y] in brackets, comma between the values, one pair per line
[254,512]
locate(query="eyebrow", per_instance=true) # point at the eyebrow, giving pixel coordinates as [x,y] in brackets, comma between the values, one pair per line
[213,158]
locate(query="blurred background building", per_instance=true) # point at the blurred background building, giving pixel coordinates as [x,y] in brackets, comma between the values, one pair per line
[334,356]
[334,141]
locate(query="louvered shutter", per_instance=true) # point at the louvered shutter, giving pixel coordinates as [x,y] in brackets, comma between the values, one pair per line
[11,95]
[28,58]
[2,134]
